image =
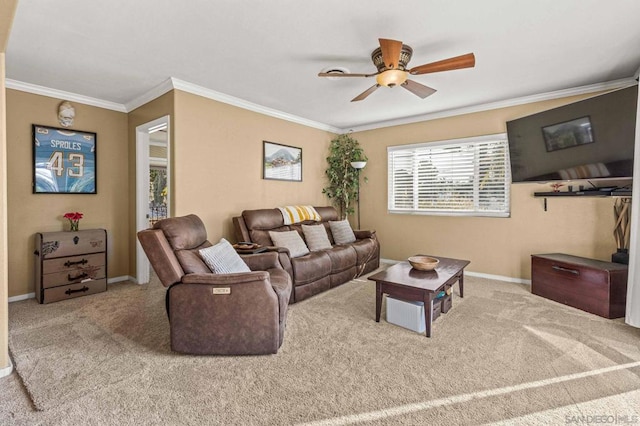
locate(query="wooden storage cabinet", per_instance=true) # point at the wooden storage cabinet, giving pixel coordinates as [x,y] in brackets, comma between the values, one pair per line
[590,285]
[70,264]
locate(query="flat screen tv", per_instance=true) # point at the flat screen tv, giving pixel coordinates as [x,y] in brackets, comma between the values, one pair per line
[590,139]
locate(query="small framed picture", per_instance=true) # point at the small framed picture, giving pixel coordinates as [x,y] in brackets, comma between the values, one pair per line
[281,162]
[568,134]
[64,161]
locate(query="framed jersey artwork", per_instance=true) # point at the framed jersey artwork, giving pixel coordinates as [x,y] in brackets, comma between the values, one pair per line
[64,161]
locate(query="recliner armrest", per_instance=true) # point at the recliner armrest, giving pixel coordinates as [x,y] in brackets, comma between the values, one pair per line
[226,279]
[362,234]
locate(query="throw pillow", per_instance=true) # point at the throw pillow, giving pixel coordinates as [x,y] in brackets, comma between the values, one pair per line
[342,232]
[290,240]
[223,259]
[316,237]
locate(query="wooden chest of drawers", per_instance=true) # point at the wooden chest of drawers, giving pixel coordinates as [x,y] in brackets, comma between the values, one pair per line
[70,264]
[591,285]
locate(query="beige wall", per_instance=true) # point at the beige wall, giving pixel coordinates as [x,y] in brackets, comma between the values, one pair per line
[217,162]
[497,246]
[30,213]
[159,107]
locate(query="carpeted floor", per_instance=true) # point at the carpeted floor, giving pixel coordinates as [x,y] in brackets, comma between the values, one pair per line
[500,355]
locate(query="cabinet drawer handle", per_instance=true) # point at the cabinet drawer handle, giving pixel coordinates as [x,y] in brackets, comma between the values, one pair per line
[77,277]
[571,271]
[80,290]
[79,262]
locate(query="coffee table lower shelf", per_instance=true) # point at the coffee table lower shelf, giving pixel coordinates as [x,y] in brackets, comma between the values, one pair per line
[404,282]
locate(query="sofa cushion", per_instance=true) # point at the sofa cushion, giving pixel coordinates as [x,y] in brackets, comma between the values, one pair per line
[290,240]
[316,236]
[342,232]
[311,267]
[186,232]
[223,259]
[342,258]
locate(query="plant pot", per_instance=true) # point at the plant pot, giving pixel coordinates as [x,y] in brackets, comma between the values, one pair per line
[358,164]
[621,256]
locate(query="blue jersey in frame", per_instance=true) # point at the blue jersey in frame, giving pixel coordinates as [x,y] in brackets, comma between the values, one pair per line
[64,161]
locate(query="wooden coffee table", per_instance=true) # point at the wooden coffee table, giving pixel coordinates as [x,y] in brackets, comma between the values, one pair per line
[404,282]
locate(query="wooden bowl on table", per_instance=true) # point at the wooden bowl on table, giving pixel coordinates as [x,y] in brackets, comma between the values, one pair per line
[423,263]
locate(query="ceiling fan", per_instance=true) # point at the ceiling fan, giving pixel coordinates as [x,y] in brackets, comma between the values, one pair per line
[391,60]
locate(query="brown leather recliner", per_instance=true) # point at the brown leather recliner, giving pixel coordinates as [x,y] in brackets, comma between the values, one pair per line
[216,314]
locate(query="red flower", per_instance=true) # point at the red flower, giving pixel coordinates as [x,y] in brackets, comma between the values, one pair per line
[75,216]
[74,219]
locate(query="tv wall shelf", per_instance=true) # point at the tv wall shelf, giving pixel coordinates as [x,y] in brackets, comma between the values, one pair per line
[619,192]
[593,193]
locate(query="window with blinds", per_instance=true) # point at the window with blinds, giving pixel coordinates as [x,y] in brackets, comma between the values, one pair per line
[461,177]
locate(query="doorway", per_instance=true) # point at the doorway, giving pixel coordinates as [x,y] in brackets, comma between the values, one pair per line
[152,183]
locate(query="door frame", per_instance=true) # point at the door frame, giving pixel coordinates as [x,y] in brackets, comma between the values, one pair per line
[142,187]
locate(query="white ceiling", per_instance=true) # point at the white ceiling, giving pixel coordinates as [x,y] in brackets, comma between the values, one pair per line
[269,52]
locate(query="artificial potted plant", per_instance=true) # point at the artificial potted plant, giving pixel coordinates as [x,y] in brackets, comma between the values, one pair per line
[343,177]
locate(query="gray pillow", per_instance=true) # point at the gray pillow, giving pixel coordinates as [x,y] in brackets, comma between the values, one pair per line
[316,237]
[223,259]
[290,240]
[342,232]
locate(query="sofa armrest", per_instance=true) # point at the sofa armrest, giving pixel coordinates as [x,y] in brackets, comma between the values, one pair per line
[360,234]
[262,261]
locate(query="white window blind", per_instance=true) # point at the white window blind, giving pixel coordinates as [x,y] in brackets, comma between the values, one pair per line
[468,176]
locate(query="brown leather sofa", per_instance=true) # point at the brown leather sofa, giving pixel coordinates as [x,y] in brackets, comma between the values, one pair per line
[222,314]
[317,271]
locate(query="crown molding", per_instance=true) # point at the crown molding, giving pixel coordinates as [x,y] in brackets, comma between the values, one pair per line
[177,84]
[61,94]
[240,103]
[156,92]
[581,90]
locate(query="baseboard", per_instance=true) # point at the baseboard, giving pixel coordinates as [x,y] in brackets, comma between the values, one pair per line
[498,277]
[109,281]
[5,371]
[475,274]
[22,297]
[120,279]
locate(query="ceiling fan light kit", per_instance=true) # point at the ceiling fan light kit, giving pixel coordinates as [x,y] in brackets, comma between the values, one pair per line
[391,78]
[391,60]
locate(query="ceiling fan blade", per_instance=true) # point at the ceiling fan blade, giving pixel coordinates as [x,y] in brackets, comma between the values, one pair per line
[341,74]
[418,89]
[390,52]
[366,93]
[458,62]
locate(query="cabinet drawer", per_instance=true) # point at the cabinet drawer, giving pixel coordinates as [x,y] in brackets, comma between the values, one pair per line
[71,291]
[72,263]
[61,244]
[73,276]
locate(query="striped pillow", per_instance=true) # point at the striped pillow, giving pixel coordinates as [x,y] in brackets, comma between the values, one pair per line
[342,232]
[290,240]
[223,259]
[316,237]
[296,214]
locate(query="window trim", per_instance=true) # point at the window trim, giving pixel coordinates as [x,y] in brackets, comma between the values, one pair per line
[459,141]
